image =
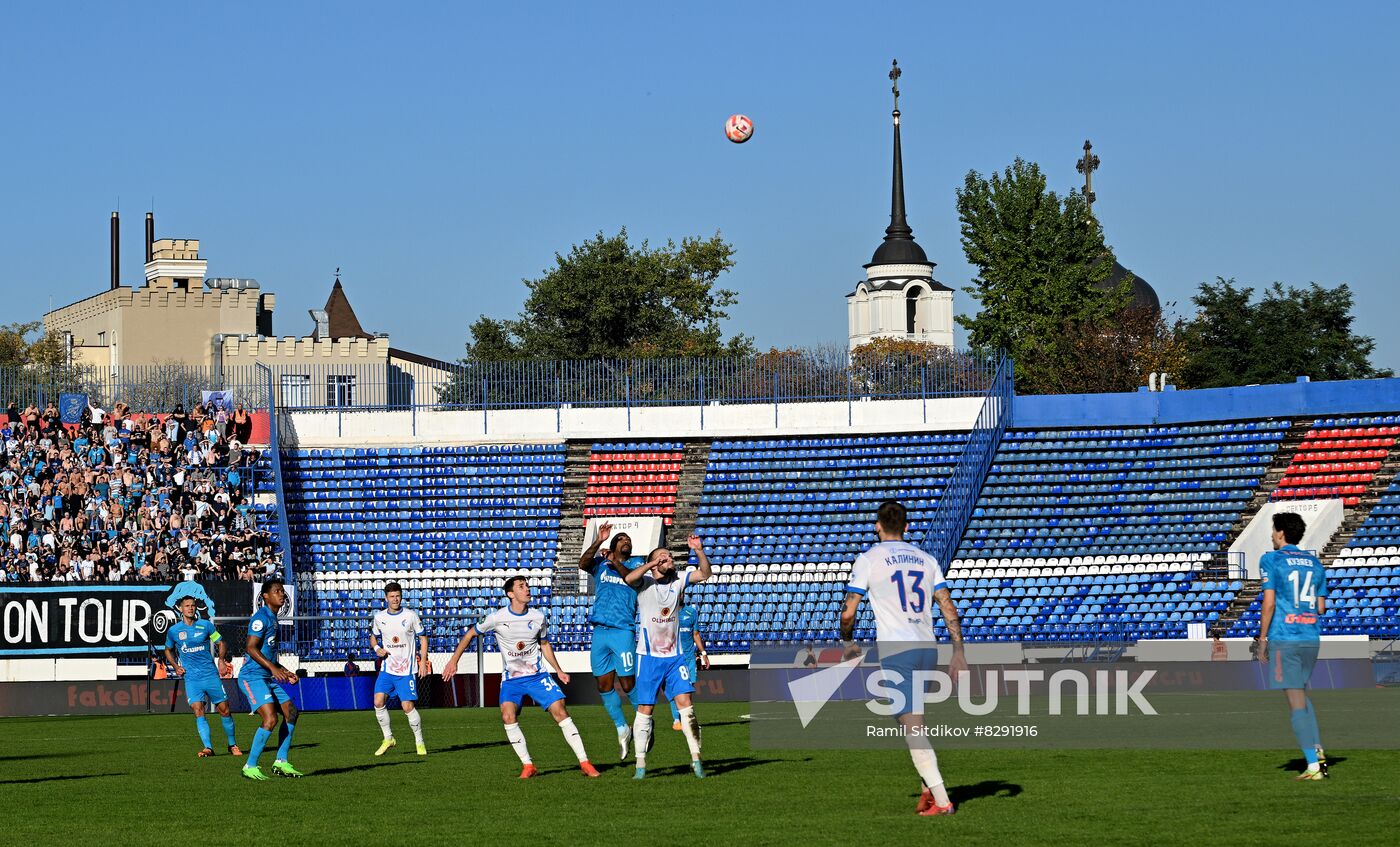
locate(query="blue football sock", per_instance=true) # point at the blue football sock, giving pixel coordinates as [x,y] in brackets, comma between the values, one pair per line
[203,726]
[228,730]
[675,712]
[287,730]
[259,742]
[1305,730]
[612,701]
[1312,716]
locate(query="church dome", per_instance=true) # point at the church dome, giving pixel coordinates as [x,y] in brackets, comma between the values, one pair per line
[1141,295]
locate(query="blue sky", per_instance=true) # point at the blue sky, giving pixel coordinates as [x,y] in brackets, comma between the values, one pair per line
[439,153]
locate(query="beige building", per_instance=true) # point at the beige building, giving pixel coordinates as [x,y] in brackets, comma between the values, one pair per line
[224,327]
[174,317]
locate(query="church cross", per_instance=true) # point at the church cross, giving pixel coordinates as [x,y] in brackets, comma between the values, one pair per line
[1087,166]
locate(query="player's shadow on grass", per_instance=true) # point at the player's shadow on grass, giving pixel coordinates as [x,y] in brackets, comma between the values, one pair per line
[56,778]
[478,745]
[1300,765]
[60,755]
[961,794]
[715,767]
[367,766]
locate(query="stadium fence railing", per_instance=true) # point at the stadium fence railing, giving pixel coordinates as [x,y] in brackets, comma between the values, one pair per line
[805,375]
[959,497]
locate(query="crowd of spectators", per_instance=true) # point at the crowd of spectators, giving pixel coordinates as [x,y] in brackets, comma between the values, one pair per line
[124,496]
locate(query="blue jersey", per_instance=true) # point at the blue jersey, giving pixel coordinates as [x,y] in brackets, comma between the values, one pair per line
[614,601]
[192,643]
[263,624]
[689,618]
[1297,579]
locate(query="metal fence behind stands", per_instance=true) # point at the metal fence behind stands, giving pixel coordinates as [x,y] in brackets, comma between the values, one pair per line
[817,374]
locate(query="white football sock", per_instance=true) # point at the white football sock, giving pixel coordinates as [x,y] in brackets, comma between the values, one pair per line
[381,714]
[641,738]
[926,763]
[415,722]
[691,728]
[517,740]
[575,740]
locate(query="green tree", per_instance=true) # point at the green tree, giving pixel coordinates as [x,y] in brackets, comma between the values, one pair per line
[1041,262]
[17,350]
[610,299]
[1287,333]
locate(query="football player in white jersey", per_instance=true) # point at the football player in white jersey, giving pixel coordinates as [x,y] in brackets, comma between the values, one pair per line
[660,661]
[398,638]
[900,580]
[523,639]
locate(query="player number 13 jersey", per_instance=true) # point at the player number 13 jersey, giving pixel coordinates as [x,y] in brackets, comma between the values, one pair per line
[899,580]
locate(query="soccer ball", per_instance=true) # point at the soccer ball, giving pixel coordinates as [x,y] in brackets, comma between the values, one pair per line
[738,128]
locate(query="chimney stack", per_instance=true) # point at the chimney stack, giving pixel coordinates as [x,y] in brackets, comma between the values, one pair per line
[116,250]
[150,234]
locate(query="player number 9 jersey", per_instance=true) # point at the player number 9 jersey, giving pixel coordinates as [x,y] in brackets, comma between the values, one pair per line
[398,635]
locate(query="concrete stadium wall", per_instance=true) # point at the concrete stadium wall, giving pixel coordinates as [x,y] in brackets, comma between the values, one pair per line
[365,428]
[1143,408]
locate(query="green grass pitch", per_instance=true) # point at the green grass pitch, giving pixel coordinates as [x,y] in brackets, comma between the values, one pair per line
[116,780]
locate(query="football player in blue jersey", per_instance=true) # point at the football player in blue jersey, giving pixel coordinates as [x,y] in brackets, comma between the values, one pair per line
[692,648]
[1290,612]
[260,677]
[614,651]
[187,645]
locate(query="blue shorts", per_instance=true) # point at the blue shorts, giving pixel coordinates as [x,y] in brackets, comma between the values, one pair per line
[539,687]
[614,651]
[403,687]
[198,690]
[899,670]
[672,673]
[690,675]
[1291,663]
[261,691]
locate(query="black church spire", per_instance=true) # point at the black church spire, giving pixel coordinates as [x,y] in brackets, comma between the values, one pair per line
[899,247]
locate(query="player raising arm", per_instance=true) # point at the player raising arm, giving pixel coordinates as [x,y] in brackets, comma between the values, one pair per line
[660,595]
[402,632]
[260,677]
[523,641]
[899,579]
[613,656]
[191,637]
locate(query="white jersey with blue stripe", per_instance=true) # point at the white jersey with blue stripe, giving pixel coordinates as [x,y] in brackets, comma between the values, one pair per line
[659,607]
[899,580]
[518,636]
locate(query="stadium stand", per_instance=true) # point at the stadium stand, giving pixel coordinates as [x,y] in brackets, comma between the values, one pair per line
[447,522]
[1338,458]
[1078,535]
[633,479]
[125,495]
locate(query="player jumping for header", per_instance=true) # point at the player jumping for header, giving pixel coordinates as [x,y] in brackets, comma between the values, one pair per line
[1294,600]
[660,596]
[899,579]
[523,640]
[260,677]
[192,637]
[613,655]
[396,636]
